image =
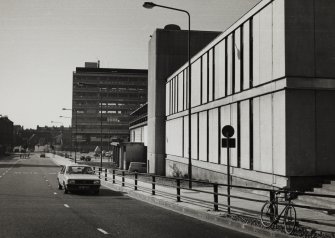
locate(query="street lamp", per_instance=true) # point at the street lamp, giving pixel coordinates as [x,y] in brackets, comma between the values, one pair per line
[75,146]
[71,132]
[150,5]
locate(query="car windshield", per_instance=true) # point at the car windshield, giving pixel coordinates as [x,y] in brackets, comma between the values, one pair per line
[79,170]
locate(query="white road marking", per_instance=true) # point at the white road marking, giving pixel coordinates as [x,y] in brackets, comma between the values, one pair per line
[46,180]
[52,173]
[102,231]
[65,205]
[55,193]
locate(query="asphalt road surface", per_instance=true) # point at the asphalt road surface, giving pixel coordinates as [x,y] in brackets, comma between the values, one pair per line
[32,206]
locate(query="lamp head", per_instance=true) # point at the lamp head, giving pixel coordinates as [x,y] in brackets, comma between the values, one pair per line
[149,5]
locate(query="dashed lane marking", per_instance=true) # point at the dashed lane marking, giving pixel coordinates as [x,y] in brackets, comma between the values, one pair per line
[65,205]
[55,193]
[102,231]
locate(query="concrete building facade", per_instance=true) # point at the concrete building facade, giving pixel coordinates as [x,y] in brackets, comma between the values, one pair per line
[107,94]
[271,76]
[6,134]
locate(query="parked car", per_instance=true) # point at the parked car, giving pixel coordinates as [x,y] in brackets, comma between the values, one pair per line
[42,155]
[87,158]
[76,177]
[108,154]
[138,167]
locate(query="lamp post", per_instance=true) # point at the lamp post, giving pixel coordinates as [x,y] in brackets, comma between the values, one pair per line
[75,145]
[150,5]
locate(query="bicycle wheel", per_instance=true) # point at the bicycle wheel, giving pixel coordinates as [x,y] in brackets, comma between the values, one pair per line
[290,219]
[267,214]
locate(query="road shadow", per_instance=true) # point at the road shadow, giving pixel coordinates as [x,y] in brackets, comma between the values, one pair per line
[103,193]
[36,166]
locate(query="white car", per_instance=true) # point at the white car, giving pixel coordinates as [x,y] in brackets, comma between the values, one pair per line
[77,177]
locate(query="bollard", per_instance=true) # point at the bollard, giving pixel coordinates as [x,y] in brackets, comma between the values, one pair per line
[153,185]
[216,196]
[178,190]
[135,181]
[113,175]
[122,178]
[105,174]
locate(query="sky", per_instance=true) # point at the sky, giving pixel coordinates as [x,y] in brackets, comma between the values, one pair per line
[43,41]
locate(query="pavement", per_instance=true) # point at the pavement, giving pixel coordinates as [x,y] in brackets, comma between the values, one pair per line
[245,214]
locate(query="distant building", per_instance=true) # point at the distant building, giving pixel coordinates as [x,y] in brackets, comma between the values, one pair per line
[107,94]
[6,134]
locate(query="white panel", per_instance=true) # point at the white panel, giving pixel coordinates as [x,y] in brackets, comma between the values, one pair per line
[138,135]
[172,96]
[203,136]
[180,92]
[210,80]
[265,44]
[194,136]
[225,120]
[186,155]
[185,90]
[246,55]
[195,83]
[174,137]
[214,129]
[245,134]
[230,57]
[266,133]
[204,78]
[256,49]
[256,135]
[279,148]
[278,39]
[145,135]
[233,123]
[220,69]
[237,56]
[167,102]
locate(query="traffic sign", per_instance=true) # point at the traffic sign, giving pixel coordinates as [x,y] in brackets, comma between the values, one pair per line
[228,131]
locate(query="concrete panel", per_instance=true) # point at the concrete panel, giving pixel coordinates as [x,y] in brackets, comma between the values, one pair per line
[265,44]
[174,138]
[167,102]
[214,130]
[237,57]
[325,132]
[266,133]
[300,133]
[195,83]
[145,135]
[245,134]
[256,134]
[225,120]
[230,64]
[194,136]
[256,50]
[325,38]
[203,136]
[233,123]
[279,135]
[186,152]
[246,55]
[180,92]
[185,89]
[210,75]
[299,25]
[204,79]
[278,46]
[220,61]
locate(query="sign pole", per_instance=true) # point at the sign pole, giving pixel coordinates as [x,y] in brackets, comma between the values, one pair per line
[228,175]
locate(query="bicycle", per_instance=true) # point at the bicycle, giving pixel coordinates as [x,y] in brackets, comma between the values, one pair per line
[269,212]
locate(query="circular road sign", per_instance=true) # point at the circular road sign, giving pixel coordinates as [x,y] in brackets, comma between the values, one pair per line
[228,131]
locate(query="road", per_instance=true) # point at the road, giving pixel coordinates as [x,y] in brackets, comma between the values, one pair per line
[32,206]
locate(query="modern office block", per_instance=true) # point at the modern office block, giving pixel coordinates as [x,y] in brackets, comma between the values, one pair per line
[270,76]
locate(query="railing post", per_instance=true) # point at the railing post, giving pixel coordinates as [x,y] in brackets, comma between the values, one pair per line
[272,208]
[178,190]
[105,174]
[100,172]
[113,175]
[153,192]
[122,178]
[135,180]
[216,196]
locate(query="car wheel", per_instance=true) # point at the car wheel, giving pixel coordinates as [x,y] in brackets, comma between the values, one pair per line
[59,186]
[96,192]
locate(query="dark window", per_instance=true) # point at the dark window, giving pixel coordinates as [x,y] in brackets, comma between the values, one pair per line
[251,134]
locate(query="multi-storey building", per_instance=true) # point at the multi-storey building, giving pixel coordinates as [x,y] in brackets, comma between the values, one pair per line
[103,99]
[6,134]
[270,76]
